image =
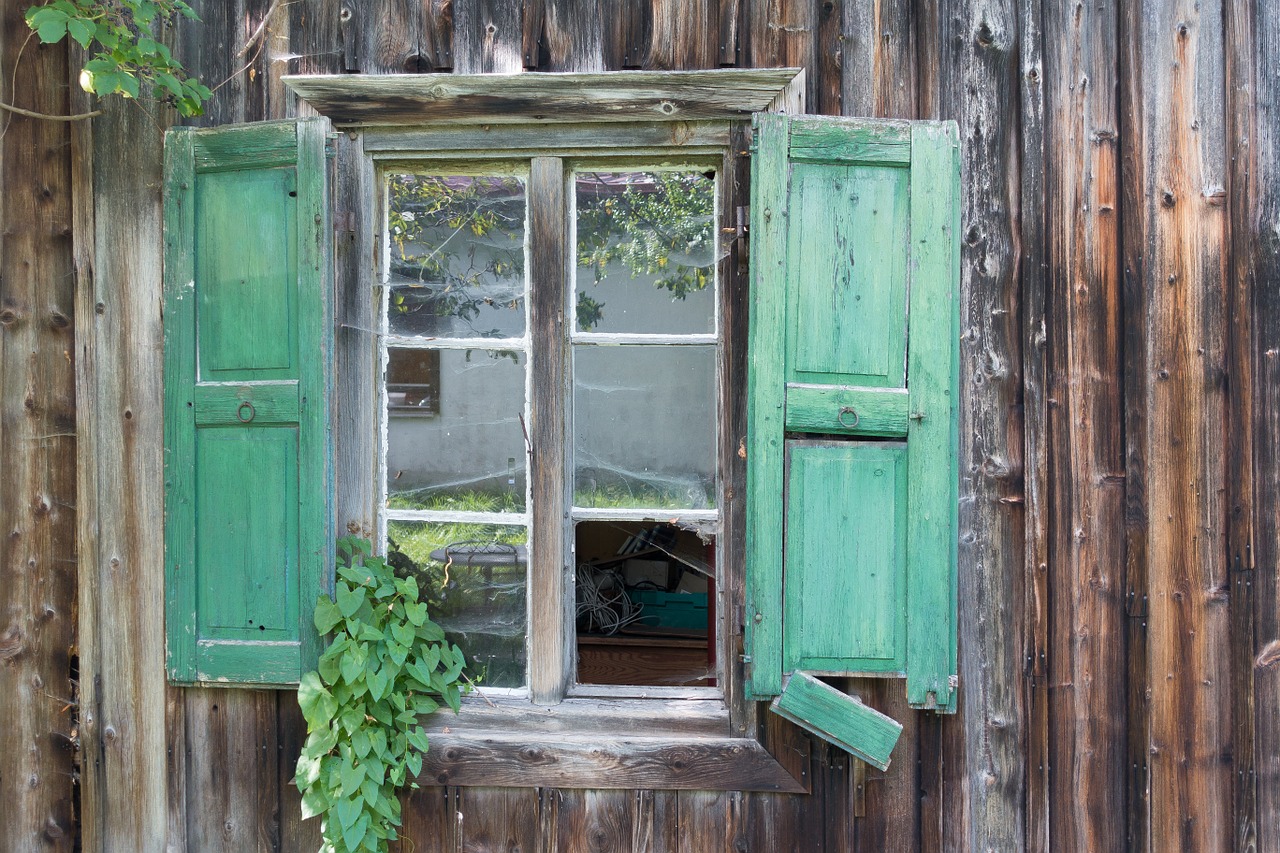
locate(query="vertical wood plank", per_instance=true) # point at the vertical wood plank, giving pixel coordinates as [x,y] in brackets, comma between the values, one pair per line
[314,45]
[574,35]
[208,49]
[497,820]
[683,35]
[595,821]
[977,48]
[1133,169]
[1252,126]
[551,656]
[1086,665]
[232,770]
[38,445]
[124,726]
[1035,384]
[1181,223]
[891,803]
[828,70]
[429,821]
[878,67]
[731,545]
[783,33]
[626,33]
[488,37]
[296,835]
[381,36]
[711,821]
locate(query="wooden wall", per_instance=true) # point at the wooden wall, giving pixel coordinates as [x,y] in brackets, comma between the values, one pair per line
[1120,599]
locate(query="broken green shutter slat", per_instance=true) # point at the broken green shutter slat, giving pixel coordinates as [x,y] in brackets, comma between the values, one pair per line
[852,443]
[247,345]
[838,719]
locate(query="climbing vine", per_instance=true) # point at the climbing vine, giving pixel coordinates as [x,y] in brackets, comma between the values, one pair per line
[126,56]
[388,665]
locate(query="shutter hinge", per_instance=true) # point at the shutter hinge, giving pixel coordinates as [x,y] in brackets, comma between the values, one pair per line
[741,231]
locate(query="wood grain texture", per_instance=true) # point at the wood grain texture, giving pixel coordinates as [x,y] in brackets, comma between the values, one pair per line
[784,33]
[878,65]
[1181,228]
[573,35]
[683,35]
[1035,382]
[488,37]
[123,725]
[976,44]
[671,763]
[551,615]
[38,561]
[637,96]
[1084,430]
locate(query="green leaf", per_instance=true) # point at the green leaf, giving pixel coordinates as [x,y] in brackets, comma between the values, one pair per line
[415,612]
[317,704]
[360,742]
[314,803]
[52,31]
[348,812]
[352,776]
[128,84]
[414,764]
[418,739]
[404,634]
[353,836]
[378,684]
[431,632]
[327,613]
[81,30]
[371,634]
[349,600]
[397,653]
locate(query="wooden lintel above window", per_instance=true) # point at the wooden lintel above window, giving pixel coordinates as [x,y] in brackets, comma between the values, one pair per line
[623,96]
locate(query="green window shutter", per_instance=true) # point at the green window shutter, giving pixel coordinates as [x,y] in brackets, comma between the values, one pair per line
[852,466]
[247,331]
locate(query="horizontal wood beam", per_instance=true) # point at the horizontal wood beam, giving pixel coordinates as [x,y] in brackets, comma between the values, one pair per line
[650,717]
[631,96]
[520,760]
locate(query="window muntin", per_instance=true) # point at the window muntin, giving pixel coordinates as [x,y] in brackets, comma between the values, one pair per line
[651,459]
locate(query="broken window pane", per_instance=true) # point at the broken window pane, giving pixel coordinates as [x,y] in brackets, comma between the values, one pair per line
[645,604]
[471,454]
[456,256]
[644,426]
[646,252]
[413,381]
[473,579]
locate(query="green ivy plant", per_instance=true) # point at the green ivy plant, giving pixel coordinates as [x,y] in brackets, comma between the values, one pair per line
[127,57]
[388,665]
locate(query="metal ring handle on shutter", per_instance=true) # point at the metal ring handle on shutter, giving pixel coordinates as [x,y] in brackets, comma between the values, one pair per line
[848,410]
[240,412]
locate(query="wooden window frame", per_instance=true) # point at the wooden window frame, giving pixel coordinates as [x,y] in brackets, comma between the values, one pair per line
[587,736]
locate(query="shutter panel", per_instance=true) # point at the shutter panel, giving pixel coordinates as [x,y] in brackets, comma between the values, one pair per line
[852,492]
[247,345]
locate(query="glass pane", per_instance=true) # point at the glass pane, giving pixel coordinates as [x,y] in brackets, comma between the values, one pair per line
[644,426]
[456,256]
[646,252]
[473,579]
[465,449]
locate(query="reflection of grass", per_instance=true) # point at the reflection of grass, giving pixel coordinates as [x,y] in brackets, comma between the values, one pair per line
[417,539]
[462,500]
[481,608]
[641,496]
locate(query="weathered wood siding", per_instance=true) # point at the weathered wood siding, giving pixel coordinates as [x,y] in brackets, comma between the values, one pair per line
[1120,599]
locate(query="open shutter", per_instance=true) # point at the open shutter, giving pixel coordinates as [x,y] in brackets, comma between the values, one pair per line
[852,417]
[247,333]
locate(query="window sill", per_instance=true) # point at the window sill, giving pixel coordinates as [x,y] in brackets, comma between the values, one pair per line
[599,743]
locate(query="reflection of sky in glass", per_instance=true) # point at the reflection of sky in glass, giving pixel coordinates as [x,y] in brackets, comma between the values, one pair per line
[644,426]
[646,252]
[456,256]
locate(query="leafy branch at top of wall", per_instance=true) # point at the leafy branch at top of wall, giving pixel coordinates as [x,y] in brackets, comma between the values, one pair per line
[126,55]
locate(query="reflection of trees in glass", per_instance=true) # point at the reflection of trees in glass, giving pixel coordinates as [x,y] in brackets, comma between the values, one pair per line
[652,223]
[460,238]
